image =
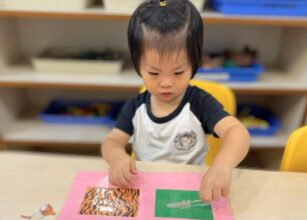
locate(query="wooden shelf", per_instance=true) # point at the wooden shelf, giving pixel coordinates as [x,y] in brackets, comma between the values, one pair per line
[98,13]
[271,82]
[276,141]
[33,131]
[26,77]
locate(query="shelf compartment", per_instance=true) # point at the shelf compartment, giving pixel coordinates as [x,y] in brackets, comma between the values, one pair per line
[276,104]
[49,4]
[81,112]
[98,13]
[25,77]
[34,131]
[73,66]
[278,140]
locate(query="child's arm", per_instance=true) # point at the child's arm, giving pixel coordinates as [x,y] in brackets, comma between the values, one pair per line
[121,166]
[235,145]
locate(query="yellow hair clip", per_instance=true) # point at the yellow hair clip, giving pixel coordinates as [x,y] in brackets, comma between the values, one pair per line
[163,3]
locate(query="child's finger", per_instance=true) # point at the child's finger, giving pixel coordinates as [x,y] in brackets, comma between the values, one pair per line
[216,194]
[122,180]
[127,175]
[225,192]
[115,178]
[112,180]
[133,167]
[206,195]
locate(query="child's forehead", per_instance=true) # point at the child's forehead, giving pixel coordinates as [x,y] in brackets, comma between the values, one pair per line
[155,57]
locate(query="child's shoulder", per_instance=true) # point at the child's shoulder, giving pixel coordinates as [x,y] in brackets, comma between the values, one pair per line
[198,94]
[138,100]
[199,98]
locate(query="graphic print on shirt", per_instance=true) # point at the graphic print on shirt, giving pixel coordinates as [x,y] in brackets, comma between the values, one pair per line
[185,141]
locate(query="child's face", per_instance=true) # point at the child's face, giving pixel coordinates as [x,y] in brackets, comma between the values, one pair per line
[166,77]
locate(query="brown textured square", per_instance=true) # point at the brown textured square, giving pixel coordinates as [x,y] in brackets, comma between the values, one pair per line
[110,202]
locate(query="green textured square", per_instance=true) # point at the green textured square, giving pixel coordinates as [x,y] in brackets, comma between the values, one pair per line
[165,197]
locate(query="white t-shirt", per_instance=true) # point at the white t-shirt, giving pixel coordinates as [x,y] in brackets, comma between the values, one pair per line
[178,137]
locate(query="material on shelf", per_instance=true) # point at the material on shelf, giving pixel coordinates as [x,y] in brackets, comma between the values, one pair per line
[47,4]
[106,61]
[81,112]
[261,7]
[119,6]
[62,66]
[231,74]
[259,115]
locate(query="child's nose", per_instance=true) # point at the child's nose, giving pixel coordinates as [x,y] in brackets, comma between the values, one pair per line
[166,82]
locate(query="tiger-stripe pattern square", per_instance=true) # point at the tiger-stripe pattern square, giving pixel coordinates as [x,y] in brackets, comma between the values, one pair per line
[110,202]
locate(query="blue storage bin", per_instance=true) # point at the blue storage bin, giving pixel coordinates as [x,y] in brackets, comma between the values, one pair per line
[230,74]
[52,113]
[261,7]
[265,114]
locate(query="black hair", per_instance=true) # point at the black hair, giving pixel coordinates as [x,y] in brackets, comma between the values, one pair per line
[173,27]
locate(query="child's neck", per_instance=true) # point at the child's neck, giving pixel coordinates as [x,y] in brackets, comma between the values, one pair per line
[161,109]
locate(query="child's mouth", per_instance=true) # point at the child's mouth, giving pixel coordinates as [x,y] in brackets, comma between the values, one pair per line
[166,93]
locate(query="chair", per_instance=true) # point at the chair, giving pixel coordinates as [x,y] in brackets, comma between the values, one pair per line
[226,97]
[295,154]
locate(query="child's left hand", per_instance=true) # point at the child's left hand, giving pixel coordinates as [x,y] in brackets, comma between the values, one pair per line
[215,184]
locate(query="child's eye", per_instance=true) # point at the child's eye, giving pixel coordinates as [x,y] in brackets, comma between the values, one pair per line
[153,73]
[179,73]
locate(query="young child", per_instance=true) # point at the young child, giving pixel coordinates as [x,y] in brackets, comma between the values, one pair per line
[168,122]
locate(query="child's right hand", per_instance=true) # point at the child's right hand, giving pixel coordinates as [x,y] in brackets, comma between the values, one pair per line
[122,170]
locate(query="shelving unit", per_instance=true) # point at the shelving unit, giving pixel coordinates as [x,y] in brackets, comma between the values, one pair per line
[26,77]
[24,33]
[271,82]
[35,132]
[98,13]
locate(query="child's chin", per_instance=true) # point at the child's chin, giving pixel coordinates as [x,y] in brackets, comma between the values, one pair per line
[167,97]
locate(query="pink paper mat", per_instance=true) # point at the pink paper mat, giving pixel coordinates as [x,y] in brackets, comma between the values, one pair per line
[147,182]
